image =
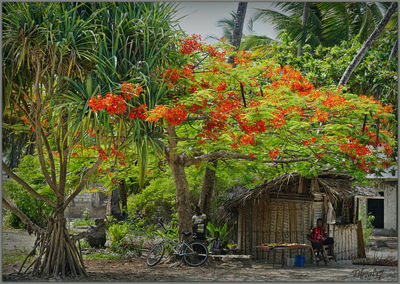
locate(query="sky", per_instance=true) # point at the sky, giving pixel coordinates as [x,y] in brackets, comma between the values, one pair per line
[202,18]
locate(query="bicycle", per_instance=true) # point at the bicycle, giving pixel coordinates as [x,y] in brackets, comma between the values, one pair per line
[194,253]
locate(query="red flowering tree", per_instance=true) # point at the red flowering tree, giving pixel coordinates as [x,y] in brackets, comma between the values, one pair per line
[253,110]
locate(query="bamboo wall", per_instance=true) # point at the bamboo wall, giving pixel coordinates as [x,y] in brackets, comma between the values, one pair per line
[265,220]
[345,237]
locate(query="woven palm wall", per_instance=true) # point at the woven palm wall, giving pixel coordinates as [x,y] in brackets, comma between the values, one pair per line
[265,220]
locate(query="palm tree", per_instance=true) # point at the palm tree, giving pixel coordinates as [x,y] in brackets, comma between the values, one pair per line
[227,25]
[248,42]
[342,21]
[367,45]
[327,23]
[239,22]
[289,19]
[304,25]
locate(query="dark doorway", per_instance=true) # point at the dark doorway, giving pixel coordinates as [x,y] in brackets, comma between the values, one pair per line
[375,206]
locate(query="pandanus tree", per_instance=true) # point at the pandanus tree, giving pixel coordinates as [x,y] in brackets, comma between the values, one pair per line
[42,44]
[135,41]
[55,56]
[254,111]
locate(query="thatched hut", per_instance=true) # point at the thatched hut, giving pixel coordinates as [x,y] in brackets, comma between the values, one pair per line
[286,208]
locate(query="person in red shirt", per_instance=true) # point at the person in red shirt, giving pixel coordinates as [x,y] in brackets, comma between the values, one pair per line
[318,237]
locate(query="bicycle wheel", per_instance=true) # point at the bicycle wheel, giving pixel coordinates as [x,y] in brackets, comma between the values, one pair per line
[195,254]
[155,254]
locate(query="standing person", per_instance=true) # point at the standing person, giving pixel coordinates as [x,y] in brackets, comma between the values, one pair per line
[318,237]
[199,224]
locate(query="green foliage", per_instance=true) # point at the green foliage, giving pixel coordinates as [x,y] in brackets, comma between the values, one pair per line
[327,23]
[157,199]
[38,211]
[367,220]
[223,232]
[15,257]
[324,66]
[83,222]
[84,244]
[86,214]
[118,231]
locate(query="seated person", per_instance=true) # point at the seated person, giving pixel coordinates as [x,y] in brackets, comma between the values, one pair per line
[199,223]
[216,244]
[318,237]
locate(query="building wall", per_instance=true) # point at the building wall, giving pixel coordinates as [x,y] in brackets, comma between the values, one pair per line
[389,189]
[96,202]
[390,203]
[346,240]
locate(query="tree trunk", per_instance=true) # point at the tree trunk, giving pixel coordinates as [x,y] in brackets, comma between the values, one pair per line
[115,209]
[58,256]
[394,51]
[238,28]
[123,196]
[207,189]
[182,197]
[177,165]
[304,23]
[367,45]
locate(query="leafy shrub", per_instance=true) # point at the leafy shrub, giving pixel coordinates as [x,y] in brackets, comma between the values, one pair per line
[367,220]
[37,210]
[86,214]
[118,231]
[223,233]
[83,222]
[84,244]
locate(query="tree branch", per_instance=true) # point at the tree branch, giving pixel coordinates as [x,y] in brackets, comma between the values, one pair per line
[83,182]
[189,161]
[46,141]
[28,223]
[27,186]
[38,130]
[49,153]
[63,154]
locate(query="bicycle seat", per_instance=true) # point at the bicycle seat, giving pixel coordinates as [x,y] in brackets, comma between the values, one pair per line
[186,233]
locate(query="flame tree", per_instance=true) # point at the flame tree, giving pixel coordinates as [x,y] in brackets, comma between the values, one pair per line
[252,110]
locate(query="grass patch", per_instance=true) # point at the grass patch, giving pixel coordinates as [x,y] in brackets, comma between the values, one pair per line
[15,257]
[94,256]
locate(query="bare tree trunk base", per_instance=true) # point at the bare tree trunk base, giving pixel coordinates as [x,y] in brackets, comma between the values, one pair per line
[58,255]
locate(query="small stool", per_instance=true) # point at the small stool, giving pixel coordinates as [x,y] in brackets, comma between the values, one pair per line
[326,255]
[321,254]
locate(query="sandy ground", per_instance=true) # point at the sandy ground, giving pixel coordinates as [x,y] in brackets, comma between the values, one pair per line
[135,269]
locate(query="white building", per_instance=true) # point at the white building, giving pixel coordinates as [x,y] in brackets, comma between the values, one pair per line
[385,206]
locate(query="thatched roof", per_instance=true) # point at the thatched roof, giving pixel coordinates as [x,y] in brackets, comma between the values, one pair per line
[337,186]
